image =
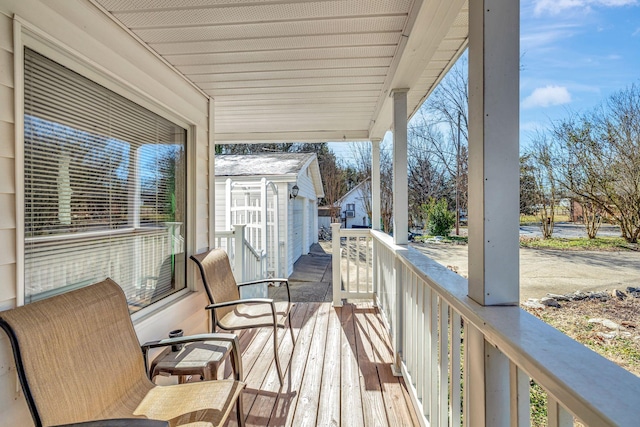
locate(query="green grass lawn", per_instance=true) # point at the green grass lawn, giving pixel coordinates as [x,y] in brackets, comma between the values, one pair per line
[535,219]
[577,244]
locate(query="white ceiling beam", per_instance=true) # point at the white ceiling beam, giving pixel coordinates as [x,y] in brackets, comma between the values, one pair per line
[302,136]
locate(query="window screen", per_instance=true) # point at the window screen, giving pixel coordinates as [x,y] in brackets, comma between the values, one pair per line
[105,186]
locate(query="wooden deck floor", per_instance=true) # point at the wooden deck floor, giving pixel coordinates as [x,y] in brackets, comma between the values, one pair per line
[338,373]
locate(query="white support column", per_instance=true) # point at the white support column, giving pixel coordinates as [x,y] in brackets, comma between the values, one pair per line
[263,214]
[400,175]
[494,32]
[239,252]
[227,203]
[336,261]
[212,175]
[375,184]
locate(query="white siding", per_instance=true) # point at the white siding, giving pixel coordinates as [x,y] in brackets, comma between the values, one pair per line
[13,407]
[80,26]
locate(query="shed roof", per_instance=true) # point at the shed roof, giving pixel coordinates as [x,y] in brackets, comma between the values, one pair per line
[262,164]
[283,166]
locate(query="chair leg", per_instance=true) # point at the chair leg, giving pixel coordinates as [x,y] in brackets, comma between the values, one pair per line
[293,340]
[275,352]
[240,411]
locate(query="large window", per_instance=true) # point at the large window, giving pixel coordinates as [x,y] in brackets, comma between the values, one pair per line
[105,186]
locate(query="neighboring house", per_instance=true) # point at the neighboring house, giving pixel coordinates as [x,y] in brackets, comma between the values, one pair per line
[353,206]
[255,187]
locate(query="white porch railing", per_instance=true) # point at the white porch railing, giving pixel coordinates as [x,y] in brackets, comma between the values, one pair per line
[464,363]
[247,263]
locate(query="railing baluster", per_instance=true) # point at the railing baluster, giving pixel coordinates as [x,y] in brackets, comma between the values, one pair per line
[347,283]
[426,351]
[520,400]
[357,263]
[454,369]
[368,248]
[407,338]
[433,357]
[557,416]
[420,334]
[443,363]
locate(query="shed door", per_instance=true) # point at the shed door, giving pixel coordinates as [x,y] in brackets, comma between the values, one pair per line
[310,230]
[297,228]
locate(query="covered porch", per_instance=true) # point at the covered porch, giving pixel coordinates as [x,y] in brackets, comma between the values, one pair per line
[429,347]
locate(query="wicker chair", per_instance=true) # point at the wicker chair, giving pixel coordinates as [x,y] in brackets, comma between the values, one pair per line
[79,359]
[231,313]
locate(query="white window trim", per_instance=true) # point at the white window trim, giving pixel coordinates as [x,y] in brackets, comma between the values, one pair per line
[28,35]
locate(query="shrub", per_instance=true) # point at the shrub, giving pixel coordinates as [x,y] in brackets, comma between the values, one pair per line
[439,219]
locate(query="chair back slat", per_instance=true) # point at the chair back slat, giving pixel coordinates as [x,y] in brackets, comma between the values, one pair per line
[218,279]
[80,353]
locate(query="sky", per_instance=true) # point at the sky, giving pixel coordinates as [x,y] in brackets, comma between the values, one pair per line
[574,54]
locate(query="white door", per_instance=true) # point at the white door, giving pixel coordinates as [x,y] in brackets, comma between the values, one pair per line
[297,228]
[310,223]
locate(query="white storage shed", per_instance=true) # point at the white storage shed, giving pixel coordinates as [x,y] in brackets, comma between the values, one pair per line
[275,195]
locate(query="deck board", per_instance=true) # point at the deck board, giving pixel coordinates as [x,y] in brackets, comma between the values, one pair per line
[338,373]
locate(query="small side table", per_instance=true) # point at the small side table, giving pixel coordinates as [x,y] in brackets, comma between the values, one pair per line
[196,358]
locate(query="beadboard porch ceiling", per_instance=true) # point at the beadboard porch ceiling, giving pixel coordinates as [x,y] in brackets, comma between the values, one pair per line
[301,70]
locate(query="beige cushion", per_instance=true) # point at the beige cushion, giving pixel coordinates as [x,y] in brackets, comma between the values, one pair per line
[254,315]
[206,403]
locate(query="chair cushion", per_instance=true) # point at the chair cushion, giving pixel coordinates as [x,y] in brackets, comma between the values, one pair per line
[205,403]
[255,315]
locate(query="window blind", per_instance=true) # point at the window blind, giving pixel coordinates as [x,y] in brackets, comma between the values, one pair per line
[105,186]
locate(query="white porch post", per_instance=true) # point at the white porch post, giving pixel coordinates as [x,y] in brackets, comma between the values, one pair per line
[375,184]
[239,252]
[263,214]
[227,203]
[400,178]
[493,194]
[336,264]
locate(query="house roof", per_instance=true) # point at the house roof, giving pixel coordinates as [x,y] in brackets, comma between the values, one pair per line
[303,70]
[274,165]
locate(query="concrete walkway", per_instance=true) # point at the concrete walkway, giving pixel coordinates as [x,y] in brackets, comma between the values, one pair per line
[311,279]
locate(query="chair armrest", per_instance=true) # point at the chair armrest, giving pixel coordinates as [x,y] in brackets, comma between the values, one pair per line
[280,280]
[257,282]
[240,301]
[119,422]
[232,338]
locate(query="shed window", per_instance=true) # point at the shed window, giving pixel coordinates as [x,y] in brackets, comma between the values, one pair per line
[105,186]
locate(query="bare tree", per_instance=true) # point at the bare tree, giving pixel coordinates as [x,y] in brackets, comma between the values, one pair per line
[601,158]
[546,192]
[442,123]
[362,158]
